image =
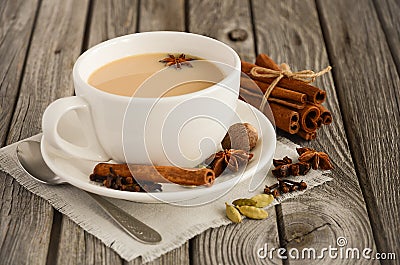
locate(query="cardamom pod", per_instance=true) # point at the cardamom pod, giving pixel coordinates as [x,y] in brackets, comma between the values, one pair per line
[243,202]
[253,212]
[263,200]
[233,214]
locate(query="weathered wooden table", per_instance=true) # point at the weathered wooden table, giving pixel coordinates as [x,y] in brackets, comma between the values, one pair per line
[41,39]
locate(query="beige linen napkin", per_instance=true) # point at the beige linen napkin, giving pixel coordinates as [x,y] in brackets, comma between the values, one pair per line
[182,223]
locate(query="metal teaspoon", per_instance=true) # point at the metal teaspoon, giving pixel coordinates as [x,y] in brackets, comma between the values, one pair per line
[31,160]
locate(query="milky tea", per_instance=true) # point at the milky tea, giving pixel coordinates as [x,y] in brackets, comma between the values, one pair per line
[144,75]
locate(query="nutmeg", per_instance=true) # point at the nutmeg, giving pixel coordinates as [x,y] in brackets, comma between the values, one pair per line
[240,136]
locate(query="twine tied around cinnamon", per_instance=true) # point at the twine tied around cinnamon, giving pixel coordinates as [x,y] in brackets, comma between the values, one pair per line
[307,76]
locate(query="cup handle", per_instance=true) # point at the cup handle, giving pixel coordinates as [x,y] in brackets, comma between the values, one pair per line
[50,122]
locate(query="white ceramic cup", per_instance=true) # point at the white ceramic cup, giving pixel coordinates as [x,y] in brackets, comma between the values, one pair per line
[180,130]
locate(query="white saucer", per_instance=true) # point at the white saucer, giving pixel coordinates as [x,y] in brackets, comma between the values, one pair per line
[76,171]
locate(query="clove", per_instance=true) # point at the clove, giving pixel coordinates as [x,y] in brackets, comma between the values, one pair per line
[284,186]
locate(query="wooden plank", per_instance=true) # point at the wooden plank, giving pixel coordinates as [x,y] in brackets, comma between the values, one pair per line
[236,243]
[17,19]
[162,15]
[220,19]
[291,33]
[79,247]
[369,92]
[111,19]
[26,226]
[388,13]
[56,44]
[177,256]
[18,206]
[233,244]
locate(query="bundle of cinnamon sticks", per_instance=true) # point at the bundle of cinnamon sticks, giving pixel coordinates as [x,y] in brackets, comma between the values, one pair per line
[296,105]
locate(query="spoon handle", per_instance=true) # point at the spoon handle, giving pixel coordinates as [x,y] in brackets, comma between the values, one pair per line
[130,224]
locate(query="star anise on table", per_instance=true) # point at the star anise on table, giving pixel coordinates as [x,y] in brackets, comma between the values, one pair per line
[229,158]
[285,168]
[318,160]
[177,61]
[284,161]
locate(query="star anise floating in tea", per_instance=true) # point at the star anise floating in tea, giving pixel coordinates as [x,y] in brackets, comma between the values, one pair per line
[177,61]
[318,160]
[229,158]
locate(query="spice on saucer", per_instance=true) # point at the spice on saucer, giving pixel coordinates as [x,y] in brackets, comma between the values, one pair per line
[242,136]
[155,174]
[238,141]
[230,158]
[117,182]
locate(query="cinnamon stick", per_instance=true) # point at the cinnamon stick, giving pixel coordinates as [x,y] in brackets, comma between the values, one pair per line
[246,67]
[287,103]
[314,94]
[159,174]
[252,97]
[285,119]
[309,118]
[280,95]
[265,61]
[307,135]
[325,115]
[296,105]
[319,122]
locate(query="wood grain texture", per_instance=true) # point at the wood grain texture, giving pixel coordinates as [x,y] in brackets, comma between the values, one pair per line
[177,256]
[232,244]
[388,14]
[79,247]
[47,76]
[110,19]
[162,15]
[56,43]
[25,219]
[25,224]
[16,22]
[291,33]
[219,19]
[369,91]
[236,243]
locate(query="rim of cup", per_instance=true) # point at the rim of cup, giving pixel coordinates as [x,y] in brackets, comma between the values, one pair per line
[81,81]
